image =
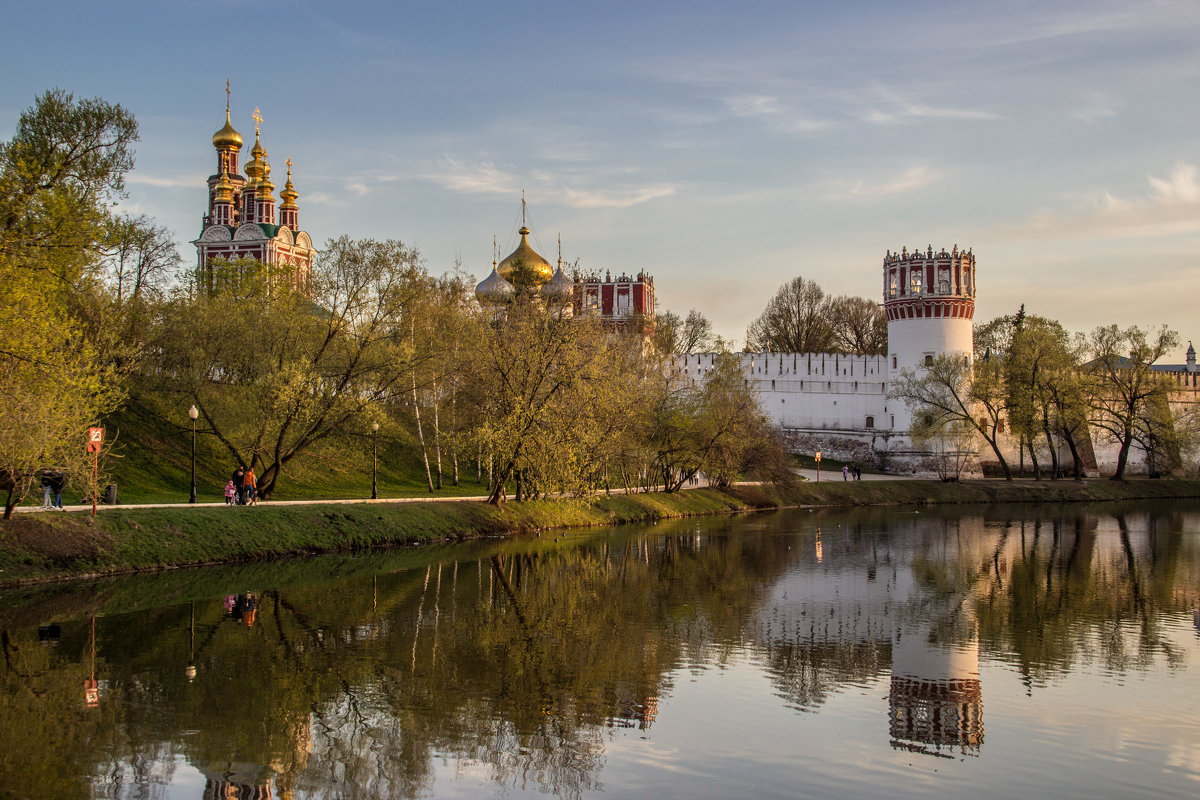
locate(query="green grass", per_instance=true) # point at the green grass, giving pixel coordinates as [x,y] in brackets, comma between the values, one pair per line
[151,463]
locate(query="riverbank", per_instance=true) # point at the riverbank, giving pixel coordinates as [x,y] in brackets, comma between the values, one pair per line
[49,545]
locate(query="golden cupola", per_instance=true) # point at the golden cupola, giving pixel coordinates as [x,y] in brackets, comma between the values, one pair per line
[224,192]
[254,168]
[227,136]
[538,268]
[289,193]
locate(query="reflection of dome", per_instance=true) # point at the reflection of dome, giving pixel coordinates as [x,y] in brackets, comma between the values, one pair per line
[539,267]
[494,289]
[559,288]
[227,136]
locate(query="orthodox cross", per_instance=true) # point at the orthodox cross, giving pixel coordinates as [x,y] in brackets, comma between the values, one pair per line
[289,166]
[227,95]
[257,117]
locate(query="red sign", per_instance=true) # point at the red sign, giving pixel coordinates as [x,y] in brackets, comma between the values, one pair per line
[818,455]
[95,439]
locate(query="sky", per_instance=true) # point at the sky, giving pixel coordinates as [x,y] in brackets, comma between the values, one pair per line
[724,148]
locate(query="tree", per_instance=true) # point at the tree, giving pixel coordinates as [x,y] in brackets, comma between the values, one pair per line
[677,337]
[796,320]
[1126,391]
[272,372]
[59,175]
[952,390]
[859,325]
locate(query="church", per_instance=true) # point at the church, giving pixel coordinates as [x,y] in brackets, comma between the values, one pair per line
[242,221]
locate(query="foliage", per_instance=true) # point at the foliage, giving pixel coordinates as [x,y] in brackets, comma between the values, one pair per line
[675,336]
[273,372]
[1128,399]
[59,354]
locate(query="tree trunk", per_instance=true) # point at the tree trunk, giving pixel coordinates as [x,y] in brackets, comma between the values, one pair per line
[1054,468]
[421,433]
[437,438]
[1037,470]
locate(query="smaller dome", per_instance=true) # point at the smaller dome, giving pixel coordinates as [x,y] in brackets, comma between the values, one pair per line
[494,289]
[224,193]
[227,136]
[559,288]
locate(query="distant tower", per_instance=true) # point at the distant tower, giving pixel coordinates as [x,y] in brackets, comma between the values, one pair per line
[936,703]
[930,303]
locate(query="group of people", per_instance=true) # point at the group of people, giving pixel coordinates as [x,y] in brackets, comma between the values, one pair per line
[53,481]
[242,489]
[851,471]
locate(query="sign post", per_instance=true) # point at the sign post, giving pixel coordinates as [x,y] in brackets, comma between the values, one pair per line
[95,441]
[818,466]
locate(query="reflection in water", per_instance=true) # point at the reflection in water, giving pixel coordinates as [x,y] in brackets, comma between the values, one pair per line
[523,663]
[935,700]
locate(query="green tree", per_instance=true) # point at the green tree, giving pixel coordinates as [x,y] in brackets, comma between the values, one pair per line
[273,372]
[1126,391]
[59,176]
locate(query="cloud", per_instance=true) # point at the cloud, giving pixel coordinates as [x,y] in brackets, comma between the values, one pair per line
[1171,206]
[886,106]
[572,190]
[910,180]
[187,182]
[1097,106]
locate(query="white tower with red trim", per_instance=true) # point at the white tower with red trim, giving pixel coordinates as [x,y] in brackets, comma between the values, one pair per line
[930,303]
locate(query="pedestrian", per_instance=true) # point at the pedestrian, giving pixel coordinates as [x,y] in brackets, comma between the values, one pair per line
[47,488]
[58,480]
[250,487]
[230,492]
[238,476]
[845,471]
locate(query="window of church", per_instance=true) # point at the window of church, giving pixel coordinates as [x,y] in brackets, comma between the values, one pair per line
[870,422]
[929,359]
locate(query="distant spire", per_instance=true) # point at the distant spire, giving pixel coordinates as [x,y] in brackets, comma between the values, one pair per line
[227,97]
[560,251]
[495,251]
[522,208]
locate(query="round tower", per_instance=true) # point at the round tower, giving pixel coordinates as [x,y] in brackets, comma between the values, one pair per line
[929,299]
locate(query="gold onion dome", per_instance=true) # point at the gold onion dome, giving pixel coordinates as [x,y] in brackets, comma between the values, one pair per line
[560,287]
[539,268]
[289,195]
[227,136]
[494,289]
[224,189]
[257,168]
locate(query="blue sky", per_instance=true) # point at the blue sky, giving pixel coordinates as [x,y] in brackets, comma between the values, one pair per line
[723,148]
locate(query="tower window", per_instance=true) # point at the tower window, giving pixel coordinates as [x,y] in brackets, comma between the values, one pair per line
[870,422]
[929,359]
[893,362]
[914,282]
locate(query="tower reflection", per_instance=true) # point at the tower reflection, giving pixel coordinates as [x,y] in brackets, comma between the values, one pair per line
[935,704]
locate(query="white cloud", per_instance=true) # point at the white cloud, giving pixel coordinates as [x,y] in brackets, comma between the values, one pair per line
[910,180]
[572,190]
[186,182]
[1171,206]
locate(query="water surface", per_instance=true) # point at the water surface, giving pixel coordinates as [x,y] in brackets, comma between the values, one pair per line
[996,652]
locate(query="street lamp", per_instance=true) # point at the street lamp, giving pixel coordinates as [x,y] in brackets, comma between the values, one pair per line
[374,461]
[193,413]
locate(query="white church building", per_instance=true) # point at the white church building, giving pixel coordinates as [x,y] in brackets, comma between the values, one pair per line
[838,404]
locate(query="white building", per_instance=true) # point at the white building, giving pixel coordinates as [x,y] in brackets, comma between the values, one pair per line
[839,403]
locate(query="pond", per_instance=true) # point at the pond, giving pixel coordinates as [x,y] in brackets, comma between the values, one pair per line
[1000,651]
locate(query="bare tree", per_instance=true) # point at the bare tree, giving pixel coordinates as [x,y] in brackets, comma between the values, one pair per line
[859,325]
[796,320]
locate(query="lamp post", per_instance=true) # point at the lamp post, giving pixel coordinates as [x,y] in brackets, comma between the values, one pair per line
[193,413]
[374,461]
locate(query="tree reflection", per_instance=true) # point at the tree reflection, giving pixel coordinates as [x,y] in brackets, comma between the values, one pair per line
[518,660]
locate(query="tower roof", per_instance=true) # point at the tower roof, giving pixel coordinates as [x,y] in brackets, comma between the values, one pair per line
[227,137]
[494,289]
[530,258]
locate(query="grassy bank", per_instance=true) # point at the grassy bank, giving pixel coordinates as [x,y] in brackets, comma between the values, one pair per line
[44,546]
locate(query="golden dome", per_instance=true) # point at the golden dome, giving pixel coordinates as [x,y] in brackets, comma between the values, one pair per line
[257,168]
[227,136]
[524,254]
[288,195]
[224,189]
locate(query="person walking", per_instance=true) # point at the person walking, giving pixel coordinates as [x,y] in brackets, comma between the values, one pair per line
[845,472]
[230,493]
[237,477]
[250,487]
[47,488]
[58,480]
